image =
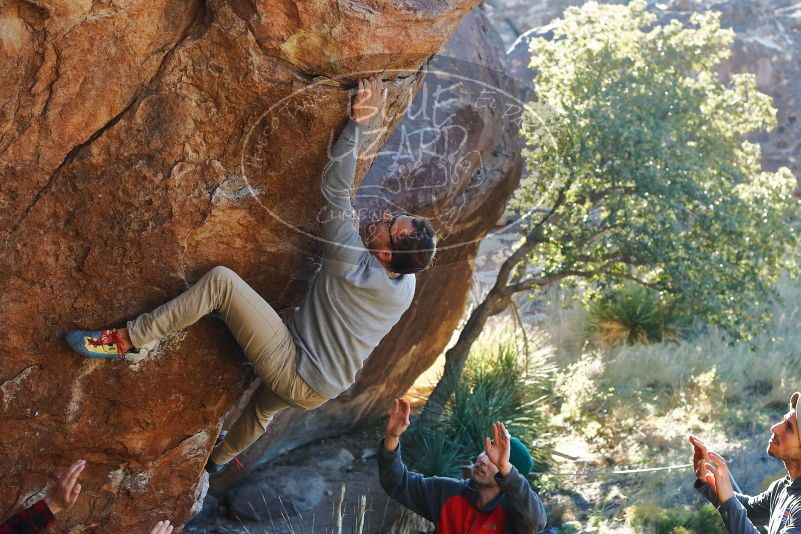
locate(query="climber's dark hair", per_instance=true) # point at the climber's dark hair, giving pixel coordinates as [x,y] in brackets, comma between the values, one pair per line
[415,251]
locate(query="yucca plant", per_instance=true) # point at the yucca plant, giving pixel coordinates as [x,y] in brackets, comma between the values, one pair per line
[631,315]
[430,450]
[507,378]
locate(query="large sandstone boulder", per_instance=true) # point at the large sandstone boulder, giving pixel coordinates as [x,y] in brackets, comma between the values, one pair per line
[144,142]
[455,158]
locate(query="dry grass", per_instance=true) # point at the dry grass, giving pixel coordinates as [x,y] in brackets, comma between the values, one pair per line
[635,404]
[567,325]
[761,371]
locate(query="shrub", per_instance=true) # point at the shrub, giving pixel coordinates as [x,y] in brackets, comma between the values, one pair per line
[506,379]
[639,155]
[431,451]
[703,366]
[678,520]
[629,315]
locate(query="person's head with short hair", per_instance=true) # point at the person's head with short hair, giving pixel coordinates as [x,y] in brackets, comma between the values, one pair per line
[785,439]
[402,243]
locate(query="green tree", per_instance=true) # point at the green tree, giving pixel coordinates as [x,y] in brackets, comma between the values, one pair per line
[639,170]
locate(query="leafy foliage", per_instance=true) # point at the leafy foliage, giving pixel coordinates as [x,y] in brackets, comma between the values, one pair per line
[641,170]
[502,382]
[433,451]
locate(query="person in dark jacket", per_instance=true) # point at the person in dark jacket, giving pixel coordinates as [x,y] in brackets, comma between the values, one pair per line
[778,508]
[496,498]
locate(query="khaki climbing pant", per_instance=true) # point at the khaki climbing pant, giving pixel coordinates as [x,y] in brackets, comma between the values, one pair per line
[263,336]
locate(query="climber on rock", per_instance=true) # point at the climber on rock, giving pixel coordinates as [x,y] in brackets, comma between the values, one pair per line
[496,497]
[366,282]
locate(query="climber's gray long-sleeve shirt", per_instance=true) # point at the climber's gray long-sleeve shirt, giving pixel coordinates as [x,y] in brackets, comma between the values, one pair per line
[352,302]
[779,508]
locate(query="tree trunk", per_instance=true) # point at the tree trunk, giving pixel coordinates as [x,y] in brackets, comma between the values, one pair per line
[495,302]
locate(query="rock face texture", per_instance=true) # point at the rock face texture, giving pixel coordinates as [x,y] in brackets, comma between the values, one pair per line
[455,159]
[144,142]
[767,44]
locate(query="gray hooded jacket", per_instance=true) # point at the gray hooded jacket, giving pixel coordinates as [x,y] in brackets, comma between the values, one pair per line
[779,508]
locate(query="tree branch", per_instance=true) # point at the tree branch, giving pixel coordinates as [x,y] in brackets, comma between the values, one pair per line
[532,239]
[634,279]
[550,279]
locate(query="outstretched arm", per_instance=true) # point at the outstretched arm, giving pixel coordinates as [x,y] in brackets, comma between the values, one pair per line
[713,481]
[338,220]
[41,515]
[422,495]
[740,512]
[525,507]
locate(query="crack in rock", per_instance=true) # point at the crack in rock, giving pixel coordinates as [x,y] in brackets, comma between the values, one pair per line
[10,386]
[194,445]
[141,94]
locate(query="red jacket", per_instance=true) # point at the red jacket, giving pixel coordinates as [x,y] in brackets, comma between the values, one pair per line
[460,516]
[33,520]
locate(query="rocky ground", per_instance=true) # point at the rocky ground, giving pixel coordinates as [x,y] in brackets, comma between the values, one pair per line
[308,480]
